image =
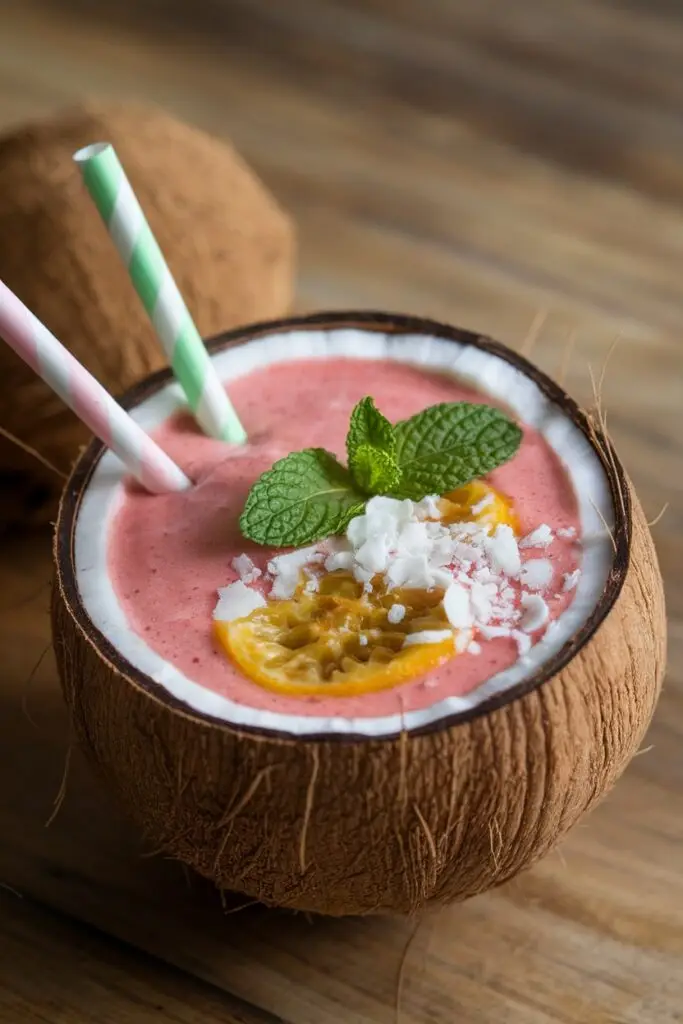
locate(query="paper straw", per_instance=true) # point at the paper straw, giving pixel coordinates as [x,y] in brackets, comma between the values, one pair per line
[122,214]
[32,341]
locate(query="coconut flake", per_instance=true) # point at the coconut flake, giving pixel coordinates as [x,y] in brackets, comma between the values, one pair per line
[396,614]
[411,571]
[473,647]
[541,537]
[484,575]
[293,561]
[339,560]
[537,573]
[536,612]
[245,569]
[480,601]
[414,539]
[236,601]
[441,552]
[523,642]
[286,570]
[456,604]
[363,576]
[570,579]
[427,636]
[463,638]
[442,578]
[487,500]
[567,532]
[428,508]
[357,531]
[503,551]
[373,554]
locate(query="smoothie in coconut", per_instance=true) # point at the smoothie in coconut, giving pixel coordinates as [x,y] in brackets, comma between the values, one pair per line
[394,617]
[420,603]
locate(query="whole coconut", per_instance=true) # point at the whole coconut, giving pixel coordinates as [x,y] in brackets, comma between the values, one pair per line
[228,244]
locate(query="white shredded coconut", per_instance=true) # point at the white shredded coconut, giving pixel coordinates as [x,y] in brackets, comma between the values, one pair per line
[456,604]
[411,571]
[567,532]
[442,578]
[537,573]
[427,636]
[485,575]
[480,601]
[363,575]
[396,614]
[406,545]
[339,560]
[373,554]
[245,569]
[570,579]
[536,612]
[503,551]
[236,601]
[428,508]
[541,537]
[463,639]
[286,570]
[487,500]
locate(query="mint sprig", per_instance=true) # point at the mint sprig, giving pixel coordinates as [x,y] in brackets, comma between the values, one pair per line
[309,495]
[371,450]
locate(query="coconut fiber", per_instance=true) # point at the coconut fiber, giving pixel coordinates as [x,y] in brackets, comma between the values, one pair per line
[228,244]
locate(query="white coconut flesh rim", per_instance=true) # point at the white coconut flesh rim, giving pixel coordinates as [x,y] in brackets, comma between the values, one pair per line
[485,371]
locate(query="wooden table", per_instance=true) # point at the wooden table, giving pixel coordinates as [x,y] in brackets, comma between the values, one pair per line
[474,162]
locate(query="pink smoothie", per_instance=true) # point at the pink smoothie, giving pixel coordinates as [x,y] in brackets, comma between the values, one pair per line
[169,554]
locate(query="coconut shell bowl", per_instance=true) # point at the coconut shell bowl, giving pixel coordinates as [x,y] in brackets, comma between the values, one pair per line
[387,813]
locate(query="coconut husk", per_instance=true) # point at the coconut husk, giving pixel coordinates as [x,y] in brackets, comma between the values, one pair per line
[227,242]
[344,825]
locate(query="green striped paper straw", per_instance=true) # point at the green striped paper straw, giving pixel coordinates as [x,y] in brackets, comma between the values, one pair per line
[122,214]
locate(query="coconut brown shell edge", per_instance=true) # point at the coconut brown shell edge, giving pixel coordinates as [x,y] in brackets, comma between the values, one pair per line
[356,826]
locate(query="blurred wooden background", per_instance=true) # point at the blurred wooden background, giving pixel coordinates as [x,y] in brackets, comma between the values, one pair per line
[477,162]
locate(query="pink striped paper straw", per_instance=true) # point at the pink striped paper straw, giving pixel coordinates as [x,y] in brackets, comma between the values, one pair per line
[33,343]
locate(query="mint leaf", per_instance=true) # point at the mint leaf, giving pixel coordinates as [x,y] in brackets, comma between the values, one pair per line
[450,444]
[305,496]
[371,449]
[374,471]
[369,427]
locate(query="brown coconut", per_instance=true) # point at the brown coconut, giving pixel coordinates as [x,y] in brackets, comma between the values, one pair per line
[355,825]
[227,242]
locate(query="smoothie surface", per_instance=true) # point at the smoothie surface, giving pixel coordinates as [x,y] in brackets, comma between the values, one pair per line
[169,554]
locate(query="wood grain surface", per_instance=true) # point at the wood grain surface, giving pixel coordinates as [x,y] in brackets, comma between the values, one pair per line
[474,162]
[54,970]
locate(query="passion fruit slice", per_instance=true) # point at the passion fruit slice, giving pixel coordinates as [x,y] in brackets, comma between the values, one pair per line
[478,502]
[338,642]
